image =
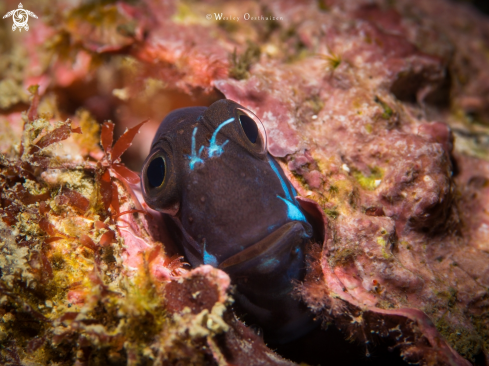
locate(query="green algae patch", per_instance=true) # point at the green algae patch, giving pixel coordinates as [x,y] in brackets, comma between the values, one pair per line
[332,212]
[387,110]
[370,182]
[332,59]
[314,103]
[341,256]
[466,342]
[241,64]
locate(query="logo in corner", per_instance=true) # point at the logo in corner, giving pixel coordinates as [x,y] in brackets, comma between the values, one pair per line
[20,17]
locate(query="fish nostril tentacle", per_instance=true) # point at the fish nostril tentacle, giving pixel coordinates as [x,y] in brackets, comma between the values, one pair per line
[214,149]
[194,157]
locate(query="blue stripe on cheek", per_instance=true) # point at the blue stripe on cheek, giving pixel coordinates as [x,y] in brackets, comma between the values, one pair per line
[209,258]
[293,212]
[294,192]
[282,182]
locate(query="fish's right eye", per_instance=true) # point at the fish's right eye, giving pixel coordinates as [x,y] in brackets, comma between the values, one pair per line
[155,173]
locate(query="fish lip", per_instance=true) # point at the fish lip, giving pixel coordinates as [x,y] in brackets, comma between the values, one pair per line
[278,242]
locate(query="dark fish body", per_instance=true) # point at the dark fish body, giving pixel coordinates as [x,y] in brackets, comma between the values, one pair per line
[209,170]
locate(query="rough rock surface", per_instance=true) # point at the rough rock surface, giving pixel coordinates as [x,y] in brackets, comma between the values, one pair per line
[377,110]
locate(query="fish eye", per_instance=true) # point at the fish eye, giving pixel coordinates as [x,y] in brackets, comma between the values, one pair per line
[156,172]
[249,127]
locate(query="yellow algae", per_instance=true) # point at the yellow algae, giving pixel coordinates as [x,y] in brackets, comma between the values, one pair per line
[186,15]
[152,87]
[372,181]
[384,241]
[89,138]
[48,108]
[12,93]
[27,224]
[75,226]
[34,188]
[9,138]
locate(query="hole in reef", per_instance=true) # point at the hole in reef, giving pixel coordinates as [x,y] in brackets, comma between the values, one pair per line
[330,348]
[481,5]
[407,86]
[480,359]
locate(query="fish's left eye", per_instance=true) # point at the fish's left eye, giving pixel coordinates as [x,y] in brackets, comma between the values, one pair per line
[249,127]
[252,132]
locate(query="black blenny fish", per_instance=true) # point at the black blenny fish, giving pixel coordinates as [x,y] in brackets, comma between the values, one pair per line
[209,170]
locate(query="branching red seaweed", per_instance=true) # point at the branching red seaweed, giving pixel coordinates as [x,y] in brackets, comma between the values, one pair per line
[111,163]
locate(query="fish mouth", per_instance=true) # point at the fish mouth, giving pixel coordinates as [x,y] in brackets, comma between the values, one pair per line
[281,247]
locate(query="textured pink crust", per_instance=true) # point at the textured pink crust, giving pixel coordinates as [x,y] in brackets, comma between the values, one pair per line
[346,285]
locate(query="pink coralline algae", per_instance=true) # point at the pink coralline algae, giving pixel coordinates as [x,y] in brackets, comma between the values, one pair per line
[377,111]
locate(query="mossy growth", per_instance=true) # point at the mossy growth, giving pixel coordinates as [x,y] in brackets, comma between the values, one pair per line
[385,304]
[370,182]
[97,13]
[12,66]
[341,255]
[449,295]
[333,190]
[315,103]
[387,111]
[300,178]
[468,343]
[241,64]
[332,213]
[297,52]
[333,60]
[323,6]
